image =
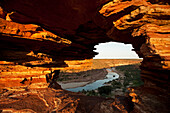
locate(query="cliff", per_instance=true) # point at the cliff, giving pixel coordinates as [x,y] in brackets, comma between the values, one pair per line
[36,37]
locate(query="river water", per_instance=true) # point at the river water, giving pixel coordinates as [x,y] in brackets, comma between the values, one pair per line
[109,77]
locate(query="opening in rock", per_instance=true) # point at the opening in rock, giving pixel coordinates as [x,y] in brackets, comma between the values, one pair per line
[114,50]
[116,68]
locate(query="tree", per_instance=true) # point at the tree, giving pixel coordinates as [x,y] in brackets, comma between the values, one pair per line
[105,90]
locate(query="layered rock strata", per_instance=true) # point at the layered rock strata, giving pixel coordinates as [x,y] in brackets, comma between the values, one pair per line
[37,36]
[149,22]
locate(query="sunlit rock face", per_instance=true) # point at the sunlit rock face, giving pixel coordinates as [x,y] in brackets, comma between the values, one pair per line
[37,36]
[145,21]
[150,22]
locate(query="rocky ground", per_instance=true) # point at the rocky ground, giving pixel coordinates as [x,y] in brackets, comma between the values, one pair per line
[52,100]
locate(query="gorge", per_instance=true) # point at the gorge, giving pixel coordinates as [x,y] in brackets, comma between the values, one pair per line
[92,86]
[40,36]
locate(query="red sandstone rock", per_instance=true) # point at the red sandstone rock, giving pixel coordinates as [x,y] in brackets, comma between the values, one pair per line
[24,48]
[51,100]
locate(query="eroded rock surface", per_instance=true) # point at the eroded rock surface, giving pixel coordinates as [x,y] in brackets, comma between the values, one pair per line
[51,100]
[148,21]
[37,36]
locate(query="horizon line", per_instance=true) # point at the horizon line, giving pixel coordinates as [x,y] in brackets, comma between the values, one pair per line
[117,58]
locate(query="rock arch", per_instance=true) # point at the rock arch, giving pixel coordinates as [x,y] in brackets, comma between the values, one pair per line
[70,30]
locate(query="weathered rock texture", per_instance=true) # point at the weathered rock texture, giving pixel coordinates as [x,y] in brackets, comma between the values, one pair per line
[38,35]
[51,100]
[150,22]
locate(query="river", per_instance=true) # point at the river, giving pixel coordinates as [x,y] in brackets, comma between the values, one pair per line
[92,86]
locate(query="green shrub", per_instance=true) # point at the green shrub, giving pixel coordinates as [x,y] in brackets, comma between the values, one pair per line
[105,90]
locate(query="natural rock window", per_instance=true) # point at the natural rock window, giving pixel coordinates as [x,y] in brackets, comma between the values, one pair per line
[114,50]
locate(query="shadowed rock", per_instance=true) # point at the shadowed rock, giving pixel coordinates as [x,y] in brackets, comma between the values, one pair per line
[37,36]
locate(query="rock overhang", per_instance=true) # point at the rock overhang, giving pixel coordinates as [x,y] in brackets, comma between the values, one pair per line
[69,29]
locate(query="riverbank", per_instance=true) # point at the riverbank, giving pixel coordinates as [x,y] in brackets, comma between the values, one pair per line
[72,84]
[80,79]
[98,83]
[129,75]
[93,78]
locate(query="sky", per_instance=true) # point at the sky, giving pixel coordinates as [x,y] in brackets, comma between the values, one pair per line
[114,50]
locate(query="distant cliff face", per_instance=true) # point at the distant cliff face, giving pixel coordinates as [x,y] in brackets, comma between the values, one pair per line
[37,36]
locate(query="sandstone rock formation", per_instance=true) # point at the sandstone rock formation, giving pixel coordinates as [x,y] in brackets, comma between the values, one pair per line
[51,100]
[36,36]
[147,21]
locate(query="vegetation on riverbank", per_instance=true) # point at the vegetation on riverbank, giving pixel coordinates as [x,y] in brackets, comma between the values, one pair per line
[119,86]
[131,75]
[81,71]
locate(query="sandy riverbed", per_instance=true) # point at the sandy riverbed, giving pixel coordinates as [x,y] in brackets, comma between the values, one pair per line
[82,82]
[72,85]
